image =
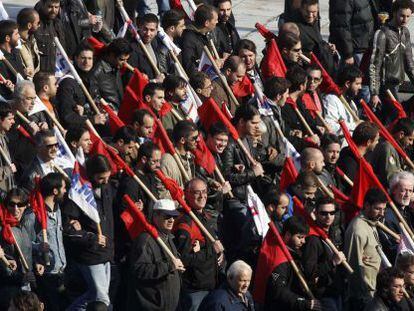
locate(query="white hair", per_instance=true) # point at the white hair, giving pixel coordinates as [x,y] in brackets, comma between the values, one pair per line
[237,268]
[398,177]
[20,88]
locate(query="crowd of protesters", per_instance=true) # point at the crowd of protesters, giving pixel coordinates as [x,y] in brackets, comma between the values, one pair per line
[151,162]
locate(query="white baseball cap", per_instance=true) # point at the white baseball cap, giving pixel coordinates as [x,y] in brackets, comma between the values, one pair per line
[166,206]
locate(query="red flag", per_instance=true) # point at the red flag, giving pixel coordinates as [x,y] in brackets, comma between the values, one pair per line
[266,33]
[203,156]
[98,147]
[175,190]
[176,5]
[115,123]
[272,64]
[7,221]
[310,105]
[98,46]
[135,221]
[38,205]
[349,139]
[383,130]
[243,88]
[26,134]
[137,83]
[339,196]
[210,113]
[162,140]
[272,254]
[328,85]
[130,103]
[314,229]
[289,174]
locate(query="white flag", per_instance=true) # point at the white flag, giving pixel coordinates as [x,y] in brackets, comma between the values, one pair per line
[166,40]
[81,193]
[406,245]
[122,31]
[189,105]
[3,13]
[206,66]
[64,158]
[61,66]
[258,210]
[37,107]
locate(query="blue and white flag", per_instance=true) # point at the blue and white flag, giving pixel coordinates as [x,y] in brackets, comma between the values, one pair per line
[206,66]
[61,66]
[65,157]
[81,193]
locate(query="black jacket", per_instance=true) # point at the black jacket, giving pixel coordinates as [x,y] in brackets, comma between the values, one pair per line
[201,267]
[153,282]
[45,40]
[283,291]
[351,25]
[82,246]
[140,61]
[229,34]
[105,81]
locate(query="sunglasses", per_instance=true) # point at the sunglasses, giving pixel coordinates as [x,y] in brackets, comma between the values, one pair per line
[165,217]
[323,213]
[17,204]
[52,146]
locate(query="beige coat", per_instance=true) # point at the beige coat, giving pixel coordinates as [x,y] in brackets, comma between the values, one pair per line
[30,55]
[361,240]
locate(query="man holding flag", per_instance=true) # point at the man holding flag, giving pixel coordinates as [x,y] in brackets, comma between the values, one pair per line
[89,229]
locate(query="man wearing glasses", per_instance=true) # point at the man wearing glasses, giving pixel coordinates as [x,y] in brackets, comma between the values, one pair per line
[320,263]
[47,147]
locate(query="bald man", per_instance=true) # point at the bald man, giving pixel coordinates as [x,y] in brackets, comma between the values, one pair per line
[312,159]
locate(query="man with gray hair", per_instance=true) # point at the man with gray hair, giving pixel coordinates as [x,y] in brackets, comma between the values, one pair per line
[401,190]
[234,294]
[24,101]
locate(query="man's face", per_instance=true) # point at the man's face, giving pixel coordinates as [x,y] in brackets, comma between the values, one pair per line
[196,195]
[224,11]
[157,100]
[127,148]
[121,60]
[407,140]
[240,284]
[178,31]
[236,76]
[355,87]
[52,86]
[154,162]
[180,93]
[145,130]
[376,211]
[207,88]
[297,241]
[211,23]
[248,57]
[7,122]
[14,38]
[309,192]
[61,192]
[163,222]
[332,153]
[53,10]
[409,276]
[314,80]
[396,290]
[101,178]
[84,61]
[36,23]
[294,53]
[253,126]
[148,32]
[281,208]
[373,143]
[319,163]
[16,207]
[281,100]
[325,216]
[49,148]
[218,143]
[310,13]
[403,192]
[191,141]
[85,142]
[402,17]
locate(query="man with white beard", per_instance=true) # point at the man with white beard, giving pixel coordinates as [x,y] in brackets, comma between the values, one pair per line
[401,190]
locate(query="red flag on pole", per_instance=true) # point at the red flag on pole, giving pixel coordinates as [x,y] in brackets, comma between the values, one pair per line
[210,113]
[137,83]
[115,123]
[98,147]
[328,85]
[289,174]
[203,156]
[272,254]
[7,221]
[130,102]
[272,64]
[383,130]
[98,46]
[349,139]
[38,205]
[266,33]
[162,140]
[135,221]
[314,229]
[243,88]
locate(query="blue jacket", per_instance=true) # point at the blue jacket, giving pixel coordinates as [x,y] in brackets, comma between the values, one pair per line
[224,299]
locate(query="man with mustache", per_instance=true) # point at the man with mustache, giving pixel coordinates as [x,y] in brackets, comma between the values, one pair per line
[361,241]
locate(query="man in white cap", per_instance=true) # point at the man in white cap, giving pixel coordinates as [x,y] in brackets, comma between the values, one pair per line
[154,278]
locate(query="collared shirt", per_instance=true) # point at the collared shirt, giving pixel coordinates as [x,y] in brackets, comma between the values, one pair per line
[46,167]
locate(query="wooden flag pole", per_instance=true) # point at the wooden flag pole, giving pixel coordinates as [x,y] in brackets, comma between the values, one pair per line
[19,251]
[387,230]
